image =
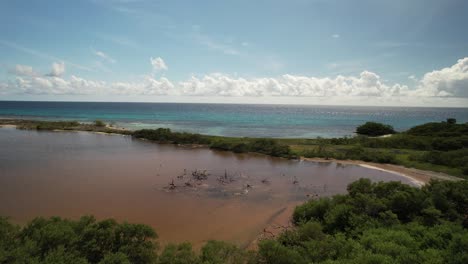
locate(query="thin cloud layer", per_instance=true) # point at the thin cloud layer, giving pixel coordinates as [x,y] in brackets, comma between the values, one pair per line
[104,56]
[448,82]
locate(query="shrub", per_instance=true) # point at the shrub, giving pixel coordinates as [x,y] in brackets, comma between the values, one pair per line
[99,123]
[374,129]
[240,148]
[441,129]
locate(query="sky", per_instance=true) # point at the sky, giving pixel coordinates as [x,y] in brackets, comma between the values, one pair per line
[335,52]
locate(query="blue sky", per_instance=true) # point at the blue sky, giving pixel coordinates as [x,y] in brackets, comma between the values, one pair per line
[229,51]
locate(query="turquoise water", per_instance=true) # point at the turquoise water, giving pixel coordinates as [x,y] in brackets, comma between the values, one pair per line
[234,119]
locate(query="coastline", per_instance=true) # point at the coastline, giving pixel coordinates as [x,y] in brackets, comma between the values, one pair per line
[417,176]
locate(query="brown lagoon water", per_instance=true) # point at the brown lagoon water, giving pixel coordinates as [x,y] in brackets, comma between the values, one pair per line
[71,174]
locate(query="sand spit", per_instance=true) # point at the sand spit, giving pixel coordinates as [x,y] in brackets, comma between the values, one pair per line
[418,177]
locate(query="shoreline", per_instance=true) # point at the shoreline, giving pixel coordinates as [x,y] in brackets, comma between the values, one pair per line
[418,177]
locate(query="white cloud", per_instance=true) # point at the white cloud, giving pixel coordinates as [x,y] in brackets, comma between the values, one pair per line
[23,70]
[104,56]
[58,68]
[336,36]
[451,81]
[158,64]
[367,84]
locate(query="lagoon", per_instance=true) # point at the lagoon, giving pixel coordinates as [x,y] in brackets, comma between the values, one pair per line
[70,174]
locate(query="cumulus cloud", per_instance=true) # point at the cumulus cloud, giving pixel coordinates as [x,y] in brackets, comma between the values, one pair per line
[367,84]
[58,68]
[158,64]
[451,81]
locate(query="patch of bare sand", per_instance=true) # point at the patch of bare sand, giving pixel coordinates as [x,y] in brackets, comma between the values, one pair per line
[418,177]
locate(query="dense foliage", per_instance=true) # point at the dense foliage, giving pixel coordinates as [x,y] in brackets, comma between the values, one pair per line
[378,223]
[450,128]
[57,240]
[64,125]
[165,135]
[96,126]
[375,223]
[239,145]
[374,129]
[433,146]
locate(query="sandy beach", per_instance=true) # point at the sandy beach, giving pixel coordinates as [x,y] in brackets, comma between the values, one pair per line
[419,177]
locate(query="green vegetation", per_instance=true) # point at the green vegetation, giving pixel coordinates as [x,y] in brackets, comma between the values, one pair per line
[381,223]
[374,223]
[96,126]
[165,135]
[266,146]
[440,147]
[57,240]
[99,123]
[375,129]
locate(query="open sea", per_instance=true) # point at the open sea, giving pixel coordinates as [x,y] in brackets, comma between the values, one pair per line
[243,120]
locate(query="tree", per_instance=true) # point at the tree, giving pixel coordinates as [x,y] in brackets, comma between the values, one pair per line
[374,129]
[451,121]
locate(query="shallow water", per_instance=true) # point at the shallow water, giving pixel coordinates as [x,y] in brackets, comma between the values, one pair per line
[298,121]
[70,174]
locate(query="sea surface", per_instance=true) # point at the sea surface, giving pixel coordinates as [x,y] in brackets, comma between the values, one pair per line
[70,174]
[293,121]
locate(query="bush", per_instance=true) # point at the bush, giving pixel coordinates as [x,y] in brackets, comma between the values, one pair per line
[53,125]
[270,147]
[57,240]
[240,148]
[374,129]
[99,123]
[165,135]
[442,129]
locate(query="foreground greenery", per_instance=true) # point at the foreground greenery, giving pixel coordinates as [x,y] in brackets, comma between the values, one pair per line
[440,147]
[374,223]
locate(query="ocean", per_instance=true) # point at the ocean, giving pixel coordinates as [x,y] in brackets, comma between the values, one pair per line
[240,120]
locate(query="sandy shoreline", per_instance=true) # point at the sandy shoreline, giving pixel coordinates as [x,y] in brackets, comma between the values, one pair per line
[418,177]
